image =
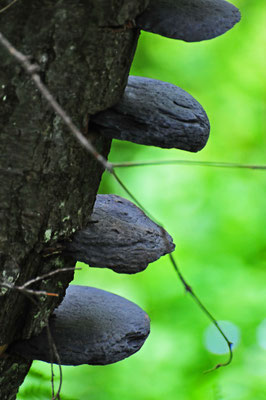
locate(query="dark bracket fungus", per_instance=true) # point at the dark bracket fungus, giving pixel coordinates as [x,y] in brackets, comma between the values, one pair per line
[91,326]
[121,237]
[156,113]
[189,20]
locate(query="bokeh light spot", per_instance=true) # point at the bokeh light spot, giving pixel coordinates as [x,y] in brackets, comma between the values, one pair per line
[261,334]
[215,343]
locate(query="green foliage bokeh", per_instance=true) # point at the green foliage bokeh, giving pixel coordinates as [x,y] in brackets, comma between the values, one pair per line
[217,219]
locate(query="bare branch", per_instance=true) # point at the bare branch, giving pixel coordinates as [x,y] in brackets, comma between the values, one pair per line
[187,287]
[189,163]
[7,7]
[32,69]
[27,291]
[24,288]
[48,275]
[30,293]
[54,352]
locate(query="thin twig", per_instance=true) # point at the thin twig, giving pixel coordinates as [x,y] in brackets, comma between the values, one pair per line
[24,288]
[188,163]
[54,352]
[188,288]
[49,274]
[9,5]
[130,194]
[52,346]
[27,291]
[32,69]
[51,359]
[84,142]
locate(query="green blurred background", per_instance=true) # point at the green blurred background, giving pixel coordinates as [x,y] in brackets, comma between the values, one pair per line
[217,218]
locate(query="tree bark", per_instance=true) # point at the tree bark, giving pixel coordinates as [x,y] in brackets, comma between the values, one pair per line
[48,182]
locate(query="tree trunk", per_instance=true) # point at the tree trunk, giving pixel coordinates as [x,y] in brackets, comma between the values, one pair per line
[48,182]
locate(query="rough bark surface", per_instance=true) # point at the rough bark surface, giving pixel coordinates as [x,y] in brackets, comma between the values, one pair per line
[48,183]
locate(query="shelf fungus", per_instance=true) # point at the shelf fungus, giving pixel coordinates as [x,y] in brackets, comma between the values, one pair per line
[156,113]
[121,237]
[91,326]
[189,20]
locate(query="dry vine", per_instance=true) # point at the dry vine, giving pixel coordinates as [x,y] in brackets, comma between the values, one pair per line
[30,293]
[8,6]
[32,70]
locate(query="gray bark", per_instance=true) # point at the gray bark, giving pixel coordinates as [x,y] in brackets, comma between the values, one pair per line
[48,183]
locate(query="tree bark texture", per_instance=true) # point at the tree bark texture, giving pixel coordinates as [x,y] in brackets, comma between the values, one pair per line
[48,182]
